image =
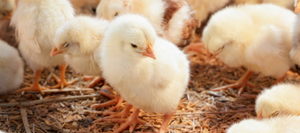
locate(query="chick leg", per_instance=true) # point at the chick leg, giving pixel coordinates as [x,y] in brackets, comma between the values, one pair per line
[240,84]
[196,47]
[165,123]
[62,81]
[35,86]
[94,81]
[279,80]
[115,99]
[114,117]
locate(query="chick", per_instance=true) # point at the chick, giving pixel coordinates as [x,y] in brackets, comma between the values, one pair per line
[283,124]
[11,68]
[85,6]
[283,3]
[257,37]
[279,100]
[149,72]
[173,20]
[78,39]
[36,22]
[295,52]
[7,8]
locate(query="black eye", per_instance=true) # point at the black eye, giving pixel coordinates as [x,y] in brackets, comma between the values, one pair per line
[66,45]
[4,13]
[133,45]
[223,47]
[117,14]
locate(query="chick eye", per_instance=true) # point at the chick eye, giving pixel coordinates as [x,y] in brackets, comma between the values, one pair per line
[117,14]
[66,45]
[275,114]
[4,13]
[133,45]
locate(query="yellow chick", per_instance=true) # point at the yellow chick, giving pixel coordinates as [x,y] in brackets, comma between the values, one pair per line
[11,68]
[289,4]
[279,100]
[36,22]
[7,8]
[282,124]
[173,20]
[251,36]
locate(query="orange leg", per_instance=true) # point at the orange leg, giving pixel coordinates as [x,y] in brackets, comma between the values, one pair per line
[95,80]
[62,81]
[279,80]
[197,47]
[114,116]
[35,86]
[115,100]
[240,84]
[130,122]
[165,123]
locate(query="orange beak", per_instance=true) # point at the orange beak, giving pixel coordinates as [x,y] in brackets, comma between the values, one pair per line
[55,51]
[209,55]
[297,8]
[259,115]
[149,51]
[7,17]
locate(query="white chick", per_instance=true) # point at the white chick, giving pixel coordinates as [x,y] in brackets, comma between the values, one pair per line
[295,52]
[78,39]
[283,124]
[11,68]
[36,22]
[257,37]
[281,99]
[149,72]
[173,20]
[7,8]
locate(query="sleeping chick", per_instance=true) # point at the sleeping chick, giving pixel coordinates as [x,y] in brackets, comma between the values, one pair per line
[281,99]
[7,8]
[257,37]
[78,39]
[282,124]
[149,72]
[11,68]
[36,22]
[173,20]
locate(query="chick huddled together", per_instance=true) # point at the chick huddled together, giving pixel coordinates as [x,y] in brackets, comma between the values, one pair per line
[135,47]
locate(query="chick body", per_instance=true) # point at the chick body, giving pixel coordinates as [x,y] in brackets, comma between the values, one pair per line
[280,99]
[173,20]
[255,36]
[283,124]
[11,68]
[295,52]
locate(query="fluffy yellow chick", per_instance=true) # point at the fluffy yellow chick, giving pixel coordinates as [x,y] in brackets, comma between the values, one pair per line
[257,37]
[281,99]
[149,72]
[7,8]
[282,124]
[36,22]
[79,39]
[11,68]
[289,4]
[295,52]
[173,20]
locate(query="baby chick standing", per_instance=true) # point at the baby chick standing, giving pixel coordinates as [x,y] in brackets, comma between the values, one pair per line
[149,72]
[36,22]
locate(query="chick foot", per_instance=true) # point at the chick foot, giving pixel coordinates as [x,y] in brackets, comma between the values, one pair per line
[115,100]
[35,86]
[95,80]
[115,116]
[196,47]
[62,81]
[165,123]
[241,84]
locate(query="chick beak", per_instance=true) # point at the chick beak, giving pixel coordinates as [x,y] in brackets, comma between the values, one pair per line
[55,51]
[149,51]
[297,8]
[7,17]
[209,55]
[259,115]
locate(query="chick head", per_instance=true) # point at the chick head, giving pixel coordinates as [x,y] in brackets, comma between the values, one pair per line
[78,36]
[249,126]
[225,31]
[7,8]
[266,106]
[132,35]
[109,9]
